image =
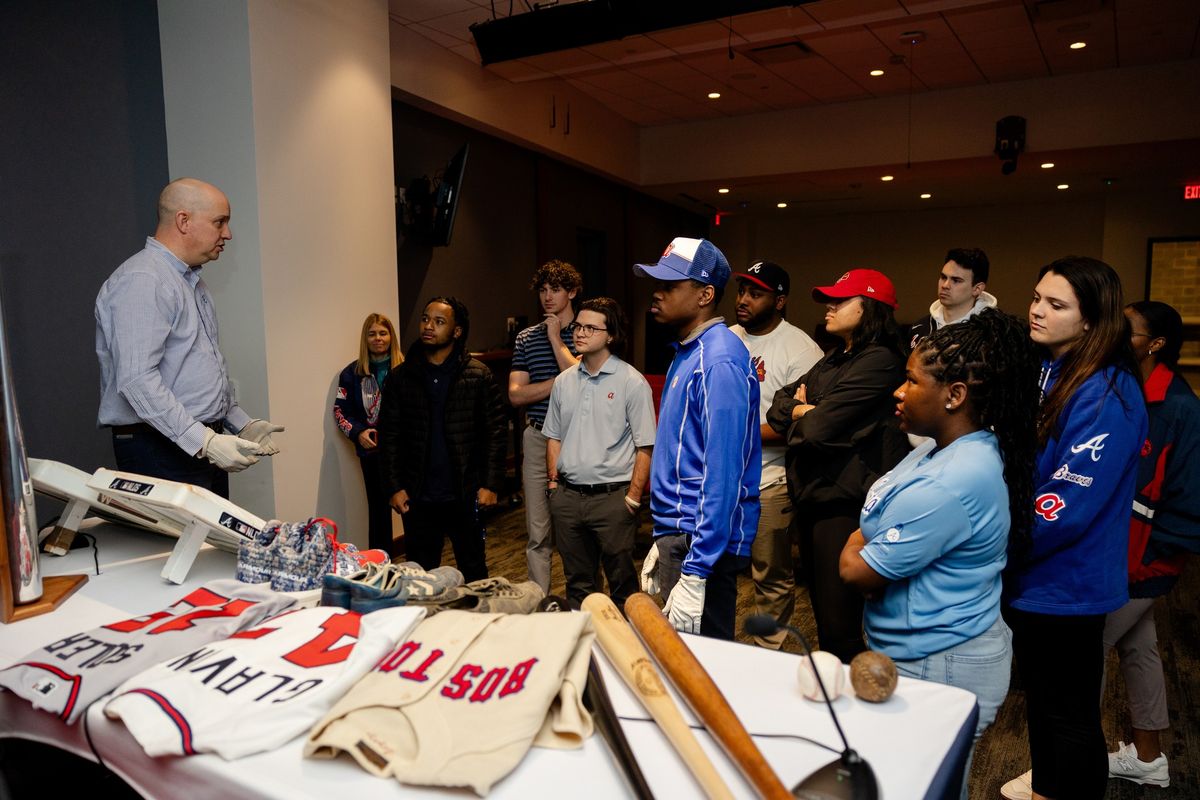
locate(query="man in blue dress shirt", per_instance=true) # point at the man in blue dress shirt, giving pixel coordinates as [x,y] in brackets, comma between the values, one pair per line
[704,475]
[164,385]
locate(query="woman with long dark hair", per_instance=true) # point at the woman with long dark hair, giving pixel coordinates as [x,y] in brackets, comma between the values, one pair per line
[1062,582]
[935,529]
[356,411]
[841,433]
[1164,530]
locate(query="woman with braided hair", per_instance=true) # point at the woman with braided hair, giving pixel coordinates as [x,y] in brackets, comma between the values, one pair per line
[935,530]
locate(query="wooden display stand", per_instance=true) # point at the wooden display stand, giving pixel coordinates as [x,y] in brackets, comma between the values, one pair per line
[55,590]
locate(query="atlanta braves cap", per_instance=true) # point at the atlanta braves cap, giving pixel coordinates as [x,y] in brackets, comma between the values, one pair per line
[768,275]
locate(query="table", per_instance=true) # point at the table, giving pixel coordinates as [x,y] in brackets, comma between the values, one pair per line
[916,742]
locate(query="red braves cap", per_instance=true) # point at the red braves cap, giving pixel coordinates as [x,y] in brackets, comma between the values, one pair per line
[865,282]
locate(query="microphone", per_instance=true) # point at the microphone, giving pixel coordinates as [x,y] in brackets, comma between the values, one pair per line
[850,777]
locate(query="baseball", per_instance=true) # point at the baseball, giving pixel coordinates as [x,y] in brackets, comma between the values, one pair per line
[873,676]
[829,667]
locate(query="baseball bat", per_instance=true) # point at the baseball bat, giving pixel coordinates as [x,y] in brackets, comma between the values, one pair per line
[16,494]
[702,694]
[610,728]
[634,665]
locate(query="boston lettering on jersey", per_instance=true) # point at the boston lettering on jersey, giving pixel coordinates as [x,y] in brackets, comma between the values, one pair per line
[473,681]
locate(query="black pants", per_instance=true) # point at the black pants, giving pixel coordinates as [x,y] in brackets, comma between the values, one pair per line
[150,453]
[718,620]
[426,526]
[591,530]
[1061,663]
[837,607]
[379,511]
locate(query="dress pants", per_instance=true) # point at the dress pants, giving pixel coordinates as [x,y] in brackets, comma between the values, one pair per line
[426,526]
[150,453]
[594,530]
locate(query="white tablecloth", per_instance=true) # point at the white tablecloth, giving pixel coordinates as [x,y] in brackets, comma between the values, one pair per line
[905,739]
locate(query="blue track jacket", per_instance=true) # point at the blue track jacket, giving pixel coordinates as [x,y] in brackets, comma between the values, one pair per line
[708,453]
[1083,490]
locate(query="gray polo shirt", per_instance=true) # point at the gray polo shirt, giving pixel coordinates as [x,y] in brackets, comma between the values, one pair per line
[601,420]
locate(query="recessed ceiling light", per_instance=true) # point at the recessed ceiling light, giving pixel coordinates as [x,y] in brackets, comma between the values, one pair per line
[1064,186]
[1048,165]
[714,95]
[875,73]
[781,205]
[926,196]
[1078,45]
[887,177]
[722,190]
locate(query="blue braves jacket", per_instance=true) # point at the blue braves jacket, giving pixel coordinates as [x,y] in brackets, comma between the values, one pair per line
[708,452]
[1083,490]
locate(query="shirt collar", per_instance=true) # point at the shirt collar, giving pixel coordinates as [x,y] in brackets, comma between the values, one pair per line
[699,330]
[608,367]
[1156,386]
[172,259]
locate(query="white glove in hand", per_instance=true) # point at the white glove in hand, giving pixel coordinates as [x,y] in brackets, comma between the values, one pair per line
[259,431]
[650,582]
[685,606]
[229,452]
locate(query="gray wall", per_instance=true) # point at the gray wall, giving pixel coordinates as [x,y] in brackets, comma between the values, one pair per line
[83,154]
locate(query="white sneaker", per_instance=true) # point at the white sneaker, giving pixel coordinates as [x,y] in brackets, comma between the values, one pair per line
[1019,788]
[1126,765]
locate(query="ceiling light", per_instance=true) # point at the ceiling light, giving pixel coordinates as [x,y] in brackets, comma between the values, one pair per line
[714,95]
[1078,45]
[781,205]
[1048,165]
[887,177]
[1064,186]
[926,196]
[875,73]
[722,190]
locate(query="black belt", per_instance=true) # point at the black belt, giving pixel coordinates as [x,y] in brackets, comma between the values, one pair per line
[594,488]
[145,427]
[536,425]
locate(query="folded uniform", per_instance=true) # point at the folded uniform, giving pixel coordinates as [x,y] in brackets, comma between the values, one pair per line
[260,688]
[463,697]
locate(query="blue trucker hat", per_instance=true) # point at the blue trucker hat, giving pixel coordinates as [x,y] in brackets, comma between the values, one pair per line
[695,259]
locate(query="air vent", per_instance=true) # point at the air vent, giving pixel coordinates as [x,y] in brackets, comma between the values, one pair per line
[782,53]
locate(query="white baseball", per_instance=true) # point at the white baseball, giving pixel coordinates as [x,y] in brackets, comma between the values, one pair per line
[829,667]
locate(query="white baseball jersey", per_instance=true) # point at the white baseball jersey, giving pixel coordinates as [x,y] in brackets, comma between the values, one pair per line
[259,688]
[66,676]
[460,701]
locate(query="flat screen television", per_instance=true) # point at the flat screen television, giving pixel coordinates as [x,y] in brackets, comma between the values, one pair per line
[446,198]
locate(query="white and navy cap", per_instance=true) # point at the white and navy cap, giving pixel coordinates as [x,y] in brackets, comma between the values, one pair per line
[684,259]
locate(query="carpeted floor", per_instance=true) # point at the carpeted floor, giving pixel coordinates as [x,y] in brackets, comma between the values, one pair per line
[1002,753]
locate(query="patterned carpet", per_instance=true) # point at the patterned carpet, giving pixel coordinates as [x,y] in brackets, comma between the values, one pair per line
[1002,753]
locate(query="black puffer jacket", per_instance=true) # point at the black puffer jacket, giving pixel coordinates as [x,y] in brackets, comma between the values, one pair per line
[851,438]
[475,426]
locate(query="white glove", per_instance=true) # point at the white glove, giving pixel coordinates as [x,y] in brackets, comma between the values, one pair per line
[259,431]
[229,452]
[685,606]
[650,582]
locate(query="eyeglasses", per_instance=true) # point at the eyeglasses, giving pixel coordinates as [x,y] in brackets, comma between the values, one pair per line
[588,330]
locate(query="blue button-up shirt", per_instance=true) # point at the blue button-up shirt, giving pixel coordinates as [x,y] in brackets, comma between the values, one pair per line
[156,338]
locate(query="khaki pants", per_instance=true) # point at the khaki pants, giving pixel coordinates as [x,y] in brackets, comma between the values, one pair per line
[771,563]
[540,547]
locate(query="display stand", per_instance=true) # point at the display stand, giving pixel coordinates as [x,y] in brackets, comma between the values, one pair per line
[200,514]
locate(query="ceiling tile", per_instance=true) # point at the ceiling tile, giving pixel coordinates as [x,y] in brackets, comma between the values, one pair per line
[436,36]
[854,12]
[467,51]
[663,70]
[630,49]
[611,78]
[778,23]
[697,38]
[566,61]
[421,10]
[458,24]
[518,71]
[986,19]
[1155,43]
[821,80]
[851,40]
[938,36]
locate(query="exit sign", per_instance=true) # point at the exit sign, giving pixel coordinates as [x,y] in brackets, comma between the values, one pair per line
[1192,192]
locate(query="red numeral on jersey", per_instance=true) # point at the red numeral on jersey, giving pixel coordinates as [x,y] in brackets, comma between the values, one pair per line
[200,597]
[320,650]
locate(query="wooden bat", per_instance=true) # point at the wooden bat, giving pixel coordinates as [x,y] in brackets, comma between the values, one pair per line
[634,665]
[702,694]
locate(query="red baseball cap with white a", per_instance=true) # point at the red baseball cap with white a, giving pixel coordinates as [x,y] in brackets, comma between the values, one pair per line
[865,282]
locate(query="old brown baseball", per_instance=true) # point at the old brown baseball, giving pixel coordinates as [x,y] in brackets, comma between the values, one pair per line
[873,676]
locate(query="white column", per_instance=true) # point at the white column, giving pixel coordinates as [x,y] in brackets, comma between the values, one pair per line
[286,106]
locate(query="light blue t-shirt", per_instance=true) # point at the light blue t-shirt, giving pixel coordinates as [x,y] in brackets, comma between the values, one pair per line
[937,527]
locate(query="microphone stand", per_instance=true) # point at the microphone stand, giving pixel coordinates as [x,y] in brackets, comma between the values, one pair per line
[849,777]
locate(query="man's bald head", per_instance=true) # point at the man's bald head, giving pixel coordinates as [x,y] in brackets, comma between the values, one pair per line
[193,220]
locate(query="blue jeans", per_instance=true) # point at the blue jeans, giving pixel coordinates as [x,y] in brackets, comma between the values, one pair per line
[981,665]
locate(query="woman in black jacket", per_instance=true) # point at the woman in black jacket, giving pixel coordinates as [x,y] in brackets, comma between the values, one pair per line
[842,434]
[356,410]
